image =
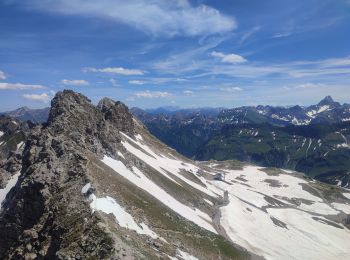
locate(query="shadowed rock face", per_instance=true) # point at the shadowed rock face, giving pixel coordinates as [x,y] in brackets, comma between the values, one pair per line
[45,216]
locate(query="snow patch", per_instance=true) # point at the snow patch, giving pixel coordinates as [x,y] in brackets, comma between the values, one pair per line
[120,155]
[19,146]
[10,184]
[173,166]
[140,180]
[185,256]
[346,195]
[342,207]
[209,202]
[1,133]
[86,188]
[109,205]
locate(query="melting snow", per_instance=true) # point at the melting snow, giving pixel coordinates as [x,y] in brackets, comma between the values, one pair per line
[343,207]
[346,195]
[109,205]
[140,180]
[185,256]
[10,184]
[160,163]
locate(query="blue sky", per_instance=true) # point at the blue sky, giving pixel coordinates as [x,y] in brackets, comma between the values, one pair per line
[151,53]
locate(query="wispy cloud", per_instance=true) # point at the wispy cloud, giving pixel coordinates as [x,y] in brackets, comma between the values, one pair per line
[152,94]
[281,34]
[2,75]
[44,97]
[231,89]
[19,86]
[75,82]
[229,58]
[248,34]
[137,82]
[157,17]
[116,70]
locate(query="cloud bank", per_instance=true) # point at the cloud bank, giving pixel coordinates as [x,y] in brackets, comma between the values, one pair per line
[44,97]
[18,86]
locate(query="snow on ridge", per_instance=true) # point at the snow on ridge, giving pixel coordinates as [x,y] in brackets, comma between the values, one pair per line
[172,165]
[109,205]
[140,180]
[10,184]
[346,195]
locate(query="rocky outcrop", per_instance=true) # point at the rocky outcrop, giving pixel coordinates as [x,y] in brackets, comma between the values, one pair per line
[45,216]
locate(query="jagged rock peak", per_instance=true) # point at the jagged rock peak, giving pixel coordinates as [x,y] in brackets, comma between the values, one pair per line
[67,101]
[328,100]
[118,114]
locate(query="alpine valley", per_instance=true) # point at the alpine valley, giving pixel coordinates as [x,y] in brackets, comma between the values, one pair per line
[92,182]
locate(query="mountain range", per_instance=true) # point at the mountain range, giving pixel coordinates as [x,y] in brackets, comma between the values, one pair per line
[312,139]
[93,183]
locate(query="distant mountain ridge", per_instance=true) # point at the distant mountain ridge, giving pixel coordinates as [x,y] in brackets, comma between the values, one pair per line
[28,114]
[309,139]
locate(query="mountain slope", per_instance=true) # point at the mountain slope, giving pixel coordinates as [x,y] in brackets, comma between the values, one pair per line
[95,183]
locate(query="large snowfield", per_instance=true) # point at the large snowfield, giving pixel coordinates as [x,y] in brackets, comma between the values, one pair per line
[273,216]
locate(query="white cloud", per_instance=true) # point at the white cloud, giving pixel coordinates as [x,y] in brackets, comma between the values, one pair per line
[18,86]
[44,97]
[188,92]
[156,17]
[229,58]
[2,75]
[116,70]
[113,82]
[152,94]
[75,82]
[281,35]
[231,89]
[137,82]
